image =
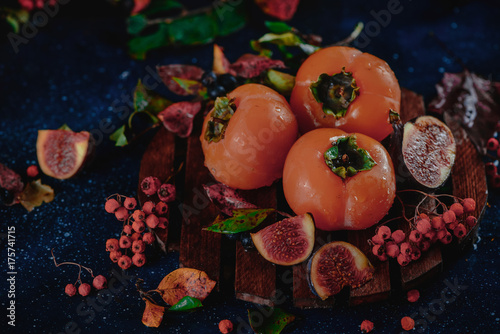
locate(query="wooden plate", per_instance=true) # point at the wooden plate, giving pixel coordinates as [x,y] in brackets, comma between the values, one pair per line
[256,280]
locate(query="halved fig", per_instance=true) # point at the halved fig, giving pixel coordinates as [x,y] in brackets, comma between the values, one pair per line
[336,265]
[428,150]
[286,242]
[62,153]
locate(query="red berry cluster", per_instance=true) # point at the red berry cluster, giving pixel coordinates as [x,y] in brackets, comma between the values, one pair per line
[130,247]
[492,166]
[99,282]
[426,229]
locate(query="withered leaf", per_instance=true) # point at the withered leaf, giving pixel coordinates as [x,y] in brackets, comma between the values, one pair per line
[178,117]
[185,282]
[281,9]
[139,5]
[249,65]
[11,181]
[169,72]
[220,63]
[35,194]
[472,101]
[226,199]
[153,314]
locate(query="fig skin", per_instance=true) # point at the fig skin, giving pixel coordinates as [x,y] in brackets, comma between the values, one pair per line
[428,150]
[336,265]
[62,153]
[282,236]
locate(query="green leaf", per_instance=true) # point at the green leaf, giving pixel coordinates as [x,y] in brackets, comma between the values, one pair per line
[278,27]
[158,6]
[119,137]
[230,16]
[65,127]
[282,82]
[14,23]
[141,97]
[192,87]
[268,320]
[136,23]
[139,45]
[189,30]
[257,47]
[241,221]
[186,303]
[287,39]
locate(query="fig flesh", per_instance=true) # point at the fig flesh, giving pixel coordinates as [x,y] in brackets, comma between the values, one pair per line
[62,153]
[286,242]
[428,150]
[336,265]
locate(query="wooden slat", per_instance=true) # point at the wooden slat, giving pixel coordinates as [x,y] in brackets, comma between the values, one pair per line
[158,160]
[255,277]
[198,249]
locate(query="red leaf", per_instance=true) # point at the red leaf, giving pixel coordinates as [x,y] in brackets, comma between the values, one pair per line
[178,117]
[189,72]
[11,181]
[472,101]
[249,65]
[281,9]
[220,64]
[139,5]
[226,198]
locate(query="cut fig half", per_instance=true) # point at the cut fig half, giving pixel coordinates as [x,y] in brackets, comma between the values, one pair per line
[286,242]
[62,153]
[428,151]
[336,265]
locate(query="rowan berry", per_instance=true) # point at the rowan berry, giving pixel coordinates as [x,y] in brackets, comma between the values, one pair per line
[112,245]
[403,259]
[139,259]
[382,257]
[163,223]
[423,216]
[152,221]
[431,236]
[451,226]
[449,217]
[398,236]
[111,205]
[457,208]
[136,236]
[32,171]
[407,323]
[121,214]
[392,249]
[225,326]
[384,232]
[378,240]
[148,207]
[471,221]
[138,226]
[405,248]
[138,215]
[378,250]
[124,262]
[437,223]
[366,326]
[460,231]
[161,208]
[138,246]
[84,289]
[413,295]
[70,290]
[125,242]
[446,238]
[115,256]
[423,226]
[150,185]
[99,282]
[491,169]
[127,229]
[469,205]
[167,192]
[492,144]
[130,203]
[415,236]
[148,238]
[424,245]
[415,253]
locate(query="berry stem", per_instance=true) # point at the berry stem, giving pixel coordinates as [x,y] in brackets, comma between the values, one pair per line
[74,264]
[177,171]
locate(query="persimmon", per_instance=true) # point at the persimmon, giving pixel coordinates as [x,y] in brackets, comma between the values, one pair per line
[247,135]
[346,181]
[344,88]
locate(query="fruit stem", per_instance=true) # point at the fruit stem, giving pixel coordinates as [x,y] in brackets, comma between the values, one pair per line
[74,264]
[346,159]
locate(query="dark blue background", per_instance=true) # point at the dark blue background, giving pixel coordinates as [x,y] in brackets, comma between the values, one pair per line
[76,68]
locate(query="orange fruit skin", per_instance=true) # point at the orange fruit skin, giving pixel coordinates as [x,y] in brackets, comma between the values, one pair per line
[257,139]
[355,203]
[368,113]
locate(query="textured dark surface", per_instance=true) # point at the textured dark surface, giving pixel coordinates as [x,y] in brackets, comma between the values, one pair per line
[76,68]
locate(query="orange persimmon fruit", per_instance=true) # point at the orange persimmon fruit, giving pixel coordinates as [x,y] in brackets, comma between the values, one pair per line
[344,88]
[346,181]
[246,136]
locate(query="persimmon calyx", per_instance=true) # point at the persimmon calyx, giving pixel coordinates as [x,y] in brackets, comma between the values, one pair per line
[335,92]
[224,109]
[346,159]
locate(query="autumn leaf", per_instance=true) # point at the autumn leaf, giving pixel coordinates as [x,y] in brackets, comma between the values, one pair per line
[220,64]
[226,199]
[270,320]
[12,182]
[185,282]
[178,118]
[153,314]
[169,72]
[250,66]
[35,194]
[281,9]
[241,221]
